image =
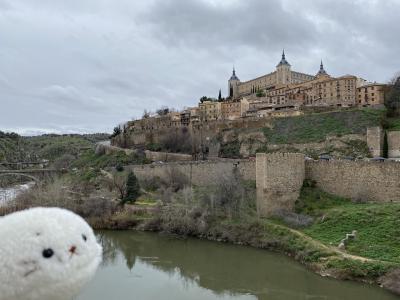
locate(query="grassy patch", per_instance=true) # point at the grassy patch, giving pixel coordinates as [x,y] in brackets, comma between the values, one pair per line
[358,269]
[393,124]
[315,202]
[315,127]
[92,160]
[378,225]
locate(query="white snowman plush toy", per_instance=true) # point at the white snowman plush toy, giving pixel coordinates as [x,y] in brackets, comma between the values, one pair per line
[46,254]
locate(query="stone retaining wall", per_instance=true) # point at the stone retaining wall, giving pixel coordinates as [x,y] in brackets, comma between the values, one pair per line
[357,180]
[200,173]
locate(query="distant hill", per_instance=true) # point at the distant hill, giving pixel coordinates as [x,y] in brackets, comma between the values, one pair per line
[14,147]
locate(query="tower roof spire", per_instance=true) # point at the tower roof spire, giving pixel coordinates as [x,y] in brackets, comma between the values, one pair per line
[283,60]
[321,69]
[234,77]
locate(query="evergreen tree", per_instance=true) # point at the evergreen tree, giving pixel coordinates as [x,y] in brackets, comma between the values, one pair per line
[260,93]
[385,149]
[132,191]
[219,96]
[117,131]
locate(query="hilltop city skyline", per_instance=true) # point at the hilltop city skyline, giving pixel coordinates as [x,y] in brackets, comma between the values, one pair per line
[85,67]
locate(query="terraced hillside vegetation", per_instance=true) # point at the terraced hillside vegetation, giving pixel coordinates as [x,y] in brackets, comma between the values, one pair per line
[338,133]
[316,127]
[14,147]
[9,146]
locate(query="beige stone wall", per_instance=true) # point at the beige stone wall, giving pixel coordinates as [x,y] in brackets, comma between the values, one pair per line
[210,111]
[371,95]
[298,77]
[165,156]
[200,173]
[321,91]
[375,137]
[262,82]
[393,138]
[230,110]
[279,178]
[333,91]
[357,180]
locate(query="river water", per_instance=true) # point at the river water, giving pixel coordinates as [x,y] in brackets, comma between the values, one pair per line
[147,266]
[8,194]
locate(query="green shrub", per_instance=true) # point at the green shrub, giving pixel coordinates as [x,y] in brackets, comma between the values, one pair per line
[230,150]
[132,190]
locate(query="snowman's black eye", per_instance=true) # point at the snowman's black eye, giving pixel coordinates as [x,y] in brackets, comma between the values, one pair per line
[84,237]
[47,253]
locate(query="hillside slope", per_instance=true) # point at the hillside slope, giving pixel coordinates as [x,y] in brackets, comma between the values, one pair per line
[51,147]
[340,133]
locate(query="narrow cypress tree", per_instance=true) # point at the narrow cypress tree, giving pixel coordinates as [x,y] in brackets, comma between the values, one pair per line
[219,96]
[385,149]
[132,189]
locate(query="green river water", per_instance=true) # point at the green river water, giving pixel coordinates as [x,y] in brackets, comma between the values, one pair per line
[147,266]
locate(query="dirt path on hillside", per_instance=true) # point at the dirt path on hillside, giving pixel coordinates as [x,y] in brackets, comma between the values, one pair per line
[329,248]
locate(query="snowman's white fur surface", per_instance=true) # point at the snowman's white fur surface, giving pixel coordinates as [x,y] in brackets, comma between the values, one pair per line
[26,274]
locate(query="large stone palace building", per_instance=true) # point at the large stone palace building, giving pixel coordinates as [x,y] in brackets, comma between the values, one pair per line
[321,89]
[281,93]
[282,76]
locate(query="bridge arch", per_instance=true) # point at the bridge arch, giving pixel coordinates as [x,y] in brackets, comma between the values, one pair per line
[21,175]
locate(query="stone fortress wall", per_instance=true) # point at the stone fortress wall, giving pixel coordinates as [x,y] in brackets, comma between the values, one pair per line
[375,137]
[279,178]
[200,173]
[375,142]
[357,180]
[393,139]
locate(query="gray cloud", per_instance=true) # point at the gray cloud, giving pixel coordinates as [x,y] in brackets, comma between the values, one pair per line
[264,25]
[86,65]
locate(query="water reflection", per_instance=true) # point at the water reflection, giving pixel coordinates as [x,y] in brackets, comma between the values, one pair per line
[149,266]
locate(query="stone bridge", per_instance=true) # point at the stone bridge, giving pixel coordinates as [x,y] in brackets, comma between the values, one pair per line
[33,174]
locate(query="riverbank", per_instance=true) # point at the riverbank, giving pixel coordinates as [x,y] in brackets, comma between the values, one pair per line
[264,234]
[313,245]
[156,266]
[227,213]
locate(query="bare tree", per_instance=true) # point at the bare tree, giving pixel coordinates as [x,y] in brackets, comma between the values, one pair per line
[392,96]
[119,183]
[146,114]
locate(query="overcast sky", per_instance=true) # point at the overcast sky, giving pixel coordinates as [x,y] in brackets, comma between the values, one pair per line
[87,65]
